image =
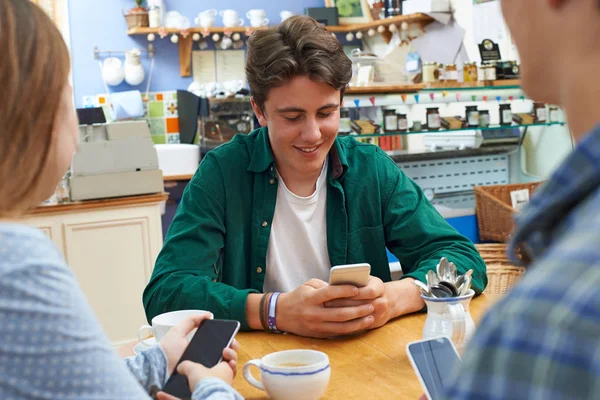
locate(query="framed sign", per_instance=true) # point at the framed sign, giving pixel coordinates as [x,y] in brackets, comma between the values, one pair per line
[351,11]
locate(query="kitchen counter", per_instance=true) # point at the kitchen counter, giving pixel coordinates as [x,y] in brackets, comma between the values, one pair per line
[117,202]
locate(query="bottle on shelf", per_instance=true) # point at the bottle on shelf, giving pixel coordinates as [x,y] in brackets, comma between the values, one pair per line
[506,115]
[472,116]
[434,121]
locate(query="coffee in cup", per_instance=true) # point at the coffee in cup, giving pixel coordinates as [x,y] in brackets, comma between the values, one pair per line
[291,374]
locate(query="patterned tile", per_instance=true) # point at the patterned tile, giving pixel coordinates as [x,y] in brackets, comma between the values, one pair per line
[156,109]
[157,126]
[89,101]
[174,95]
[159,139]
[159,97]
[173,138]
[171,109]
[172,125]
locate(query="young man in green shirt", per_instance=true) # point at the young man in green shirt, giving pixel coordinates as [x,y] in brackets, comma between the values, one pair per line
[273,211]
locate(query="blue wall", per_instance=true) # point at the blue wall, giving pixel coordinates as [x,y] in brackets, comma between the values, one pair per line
[94,23]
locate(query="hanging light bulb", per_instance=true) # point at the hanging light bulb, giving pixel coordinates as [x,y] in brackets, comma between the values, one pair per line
[381,29]
[371,32]
[174,39]
[350,36]
[393,28]
[236,37]
[359,35]
[151,37]
[216,37]
[196,37]
[404,26]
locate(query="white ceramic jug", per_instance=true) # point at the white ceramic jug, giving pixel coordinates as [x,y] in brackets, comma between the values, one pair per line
[449,317]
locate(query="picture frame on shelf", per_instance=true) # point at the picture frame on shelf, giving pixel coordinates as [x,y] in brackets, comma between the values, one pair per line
[351,11]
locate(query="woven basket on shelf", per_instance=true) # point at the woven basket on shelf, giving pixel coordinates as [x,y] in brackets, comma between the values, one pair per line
[495,211]
[137,20]
[502,275]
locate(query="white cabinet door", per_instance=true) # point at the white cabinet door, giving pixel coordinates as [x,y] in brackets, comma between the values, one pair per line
[112,253]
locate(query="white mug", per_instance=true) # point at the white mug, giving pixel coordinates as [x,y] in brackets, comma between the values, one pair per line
[161,324]
[112,71]
[291,374]
[285,15]
[231,18]
[259,23]
[206,19]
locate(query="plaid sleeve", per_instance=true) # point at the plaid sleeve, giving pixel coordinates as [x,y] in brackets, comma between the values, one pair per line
[520,354]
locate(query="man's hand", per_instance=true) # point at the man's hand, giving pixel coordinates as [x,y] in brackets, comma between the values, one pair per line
[303,311]
[375,294]
[390,300]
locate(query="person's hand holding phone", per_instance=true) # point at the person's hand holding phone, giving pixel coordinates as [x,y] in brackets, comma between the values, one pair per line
[175,342]
[375,294]
[303,311]
[195,372]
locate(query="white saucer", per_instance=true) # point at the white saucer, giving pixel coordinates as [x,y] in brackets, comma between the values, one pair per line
[138,348]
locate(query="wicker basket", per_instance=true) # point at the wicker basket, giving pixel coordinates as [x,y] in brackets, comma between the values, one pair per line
[502,275]
[137,20]
[495,212]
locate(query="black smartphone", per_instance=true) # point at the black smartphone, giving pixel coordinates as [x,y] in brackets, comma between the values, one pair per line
[206,348]
[433,361]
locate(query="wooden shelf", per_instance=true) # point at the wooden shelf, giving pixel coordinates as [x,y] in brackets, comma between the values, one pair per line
[412,18]
[502,84]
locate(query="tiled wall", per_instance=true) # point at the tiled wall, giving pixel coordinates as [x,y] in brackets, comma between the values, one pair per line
[161,112]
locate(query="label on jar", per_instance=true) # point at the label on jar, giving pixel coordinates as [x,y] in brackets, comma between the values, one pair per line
[473,118]
[541,114]
[402,124]
[554,116]
[484,120]
[490,74]
[451,75]
[434,121]
[391,122]
[507,116]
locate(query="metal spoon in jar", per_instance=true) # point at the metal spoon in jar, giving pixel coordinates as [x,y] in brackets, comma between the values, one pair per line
[423,288]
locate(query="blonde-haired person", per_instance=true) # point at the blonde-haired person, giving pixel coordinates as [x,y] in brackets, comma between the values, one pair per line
[52,346]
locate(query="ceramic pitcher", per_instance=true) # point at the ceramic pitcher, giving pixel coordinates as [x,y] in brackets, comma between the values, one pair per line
[449,317]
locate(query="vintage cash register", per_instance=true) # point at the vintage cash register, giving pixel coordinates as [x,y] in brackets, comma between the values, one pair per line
[113,160]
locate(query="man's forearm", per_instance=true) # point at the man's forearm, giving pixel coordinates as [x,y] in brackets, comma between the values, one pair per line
[405,297]
[252,311]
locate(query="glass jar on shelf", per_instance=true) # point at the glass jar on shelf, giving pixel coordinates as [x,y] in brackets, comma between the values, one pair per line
[430,72]
[505,115]
[554,114]
[390,121]
[402,123]
[470,72]
[451,73]
[434,120]
[345,121]
[472,116]
[484,118]
[539,112]
[490,71]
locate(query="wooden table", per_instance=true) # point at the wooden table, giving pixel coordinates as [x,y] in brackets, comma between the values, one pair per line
[372,365]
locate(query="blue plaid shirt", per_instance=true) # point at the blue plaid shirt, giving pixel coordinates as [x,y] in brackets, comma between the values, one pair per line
[542,341]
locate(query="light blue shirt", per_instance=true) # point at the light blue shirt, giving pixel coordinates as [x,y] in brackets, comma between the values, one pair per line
[51,344]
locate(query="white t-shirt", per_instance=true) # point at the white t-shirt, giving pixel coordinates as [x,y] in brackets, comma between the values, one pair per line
[297,249]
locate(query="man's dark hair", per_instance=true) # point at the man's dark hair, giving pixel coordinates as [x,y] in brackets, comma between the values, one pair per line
[299,46]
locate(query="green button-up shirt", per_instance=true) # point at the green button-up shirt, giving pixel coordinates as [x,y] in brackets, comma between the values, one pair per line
[216,248]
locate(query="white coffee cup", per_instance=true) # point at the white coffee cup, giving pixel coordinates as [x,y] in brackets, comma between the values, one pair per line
[257,18]
[206,19]
[291,374]
[161,324]
[285,15]
[231,18]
